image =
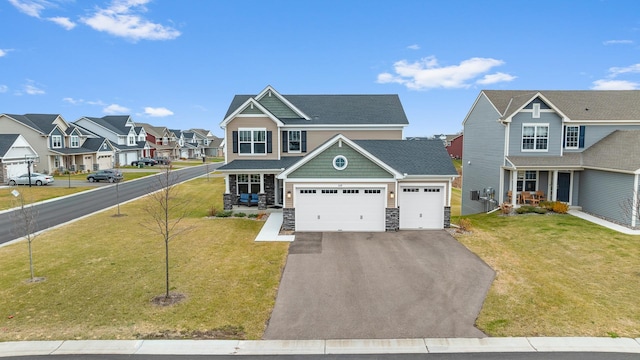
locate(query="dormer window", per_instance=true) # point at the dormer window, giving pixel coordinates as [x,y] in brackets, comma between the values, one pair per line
[56,141]
[75,141]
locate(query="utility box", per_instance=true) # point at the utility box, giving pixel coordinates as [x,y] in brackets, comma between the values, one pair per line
[475,195]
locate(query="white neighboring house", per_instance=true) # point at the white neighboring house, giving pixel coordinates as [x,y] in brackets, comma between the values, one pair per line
[15,152]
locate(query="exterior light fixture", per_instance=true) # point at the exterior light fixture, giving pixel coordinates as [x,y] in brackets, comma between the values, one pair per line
[288,194]
[392,195]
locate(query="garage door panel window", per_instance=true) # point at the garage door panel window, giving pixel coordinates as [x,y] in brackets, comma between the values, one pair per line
[411,190]
[432,190]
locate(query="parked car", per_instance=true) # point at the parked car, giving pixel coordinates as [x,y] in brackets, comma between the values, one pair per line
[105,175]
[146,161]
[162,160]
[36,179]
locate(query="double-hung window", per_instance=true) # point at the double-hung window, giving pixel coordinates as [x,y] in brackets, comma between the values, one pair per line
[56,141]
[527,180]
[252,141]
[571,137]
[132,139]
[294,141]
[75,141]
[535,137]
[248,183]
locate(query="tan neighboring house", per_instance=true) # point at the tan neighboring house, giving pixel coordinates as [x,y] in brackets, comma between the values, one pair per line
[334,163]
[60,145]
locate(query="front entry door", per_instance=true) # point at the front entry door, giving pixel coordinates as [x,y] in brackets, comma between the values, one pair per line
[564,184]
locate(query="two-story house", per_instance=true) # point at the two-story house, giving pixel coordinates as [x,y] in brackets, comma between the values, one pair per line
[59,144]
[334,162]
[578,147]
[15,156]
[159,141]
[121,131]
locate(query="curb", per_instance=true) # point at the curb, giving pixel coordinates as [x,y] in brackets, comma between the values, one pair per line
[320,347]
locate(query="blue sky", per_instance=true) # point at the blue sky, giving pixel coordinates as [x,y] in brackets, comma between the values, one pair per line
[179,63]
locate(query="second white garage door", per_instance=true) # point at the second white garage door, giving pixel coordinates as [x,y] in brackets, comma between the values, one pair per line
[340,209]
[421,207]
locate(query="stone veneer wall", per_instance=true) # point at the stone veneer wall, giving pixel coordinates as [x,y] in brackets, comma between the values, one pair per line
[228,200]
[447,216]
[233,188]
[269,188]
[289,219]
[392,219]
[262,201]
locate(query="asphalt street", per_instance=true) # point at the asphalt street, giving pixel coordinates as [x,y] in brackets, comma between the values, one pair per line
[53,213]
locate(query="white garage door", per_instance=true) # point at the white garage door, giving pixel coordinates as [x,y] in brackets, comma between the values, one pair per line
[340,209]
[16,169]
[421,207]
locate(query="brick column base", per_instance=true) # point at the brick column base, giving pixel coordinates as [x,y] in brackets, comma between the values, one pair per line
[262,201]
[447,216]
[228,201]
[289,219]
[392,219]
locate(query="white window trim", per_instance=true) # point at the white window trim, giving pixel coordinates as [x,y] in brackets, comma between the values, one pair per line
[76,143]
[252,142]
[346,162]
[536,111]
[248,182]
[289,142]
[53,141]
[535,137]
[566,134]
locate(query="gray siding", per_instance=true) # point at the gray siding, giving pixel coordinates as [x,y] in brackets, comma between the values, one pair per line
[483,153]
[595,133]
[555,134]
[602,193]
[576,188]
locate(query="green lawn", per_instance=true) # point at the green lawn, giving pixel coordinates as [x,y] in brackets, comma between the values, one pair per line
[99,283]
[557,275]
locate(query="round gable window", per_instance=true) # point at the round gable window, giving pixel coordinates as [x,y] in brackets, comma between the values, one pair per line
[340,162]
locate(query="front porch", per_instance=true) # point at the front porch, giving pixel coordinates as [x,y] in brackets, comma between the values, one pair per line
[527,186]
[261,192]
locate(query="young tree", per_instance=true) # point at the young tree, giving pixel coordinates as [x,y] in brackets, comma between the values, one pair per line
[630,208]
[25,226]
[167,210]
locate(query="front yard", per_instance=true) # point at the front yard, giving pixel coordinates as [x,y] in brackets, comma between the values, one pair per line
[557,275]
[102,272]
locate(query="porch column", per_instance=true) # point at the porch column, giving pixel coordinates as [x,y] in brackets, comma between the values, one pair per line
[261,183]
[554,186]
[634,209]
[262,197]
[514,187]
[226,184]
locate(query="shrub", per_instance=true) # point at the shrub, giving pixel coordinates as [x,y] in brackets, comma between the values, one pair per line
[525,209]
[240,214]
[560,207]
[464,224]
[252,216]
[213,211]
[540,210]
[547,205]
[224,213]
[506,208]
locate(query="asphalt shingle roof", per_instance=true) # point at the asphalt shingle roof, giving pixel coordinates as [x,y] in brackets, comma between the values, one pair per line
[6,140]
[412,157]
[283,163]
[340,109]
[115,123]
[576,104]
[42,122]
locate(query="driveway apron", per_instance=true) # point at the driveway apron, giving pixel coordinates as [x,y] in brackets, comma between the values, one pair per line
[407,284]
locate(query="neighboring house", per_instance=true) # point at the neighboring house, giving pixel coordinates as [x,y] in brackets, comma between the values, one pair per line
[212,144]
[334,163]
[454,145]
[15,156]
[120,130]
[159,140]
[578,147]
[60,145]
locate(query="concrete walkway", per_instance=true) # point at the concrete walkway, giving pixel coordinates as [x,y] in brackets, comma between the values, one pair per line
[319,347]
[271,229]
[605,223]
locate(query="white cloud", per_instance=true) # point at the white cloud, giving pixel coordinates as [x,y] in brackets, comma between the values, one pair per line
[63,21]
[122,18]
[30,7]
[615,71]
[614,85]
[115,109]
[495,78]
[428,74]
[414,47]
[73,101]
[157,112]
[617,42]
[4,88]
[3,52]
[30,88]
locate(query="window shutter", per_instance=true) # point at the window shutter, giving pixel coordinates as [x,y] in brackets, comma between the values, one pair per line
[581,138]
[285,141]
[303,142]
[234,135]
[564,137]
[269,146]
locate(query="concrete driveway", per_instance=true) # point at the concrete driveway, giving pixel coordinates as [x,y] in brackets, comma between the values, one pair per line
[407,284]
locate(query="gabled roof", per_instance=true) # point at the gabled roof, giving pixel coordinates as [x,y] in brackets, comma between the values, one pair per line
[39,122]
[330,109]
[276,165]
[576,105]
[6,142]
[114,123]
[412,157]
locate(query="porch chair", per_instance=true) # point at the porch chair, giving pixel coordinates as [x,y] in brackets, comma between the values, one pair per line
[540,195]
[254,200]
[527,198]
[244,199]
[509,195]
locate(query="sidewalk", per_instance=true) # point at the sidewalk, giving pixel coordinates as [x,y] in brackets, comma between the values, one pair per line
[320,347]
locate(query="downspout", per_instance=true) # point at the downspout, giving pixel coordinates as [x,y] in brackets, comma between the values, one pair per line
[634,209]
